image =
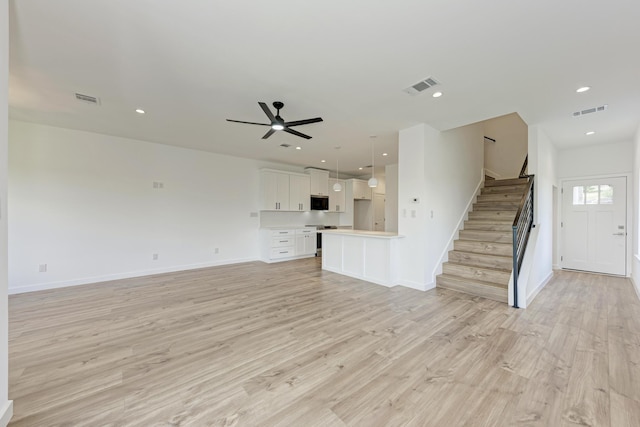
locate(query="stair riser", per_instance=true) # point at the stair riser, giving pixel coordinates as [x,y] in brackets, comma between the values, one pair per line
[489,225]
[487,236]
[500,197]
[501,249]
[494,206]
[483,291]
[491,215]
[476,273]
[481,260]
[508,189]
[503,182]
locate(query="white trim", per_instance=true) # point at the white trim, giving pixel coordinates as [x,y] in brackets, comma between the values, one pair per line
[416,285]
[537,290]
[117,276]
[444,256]
[6,413]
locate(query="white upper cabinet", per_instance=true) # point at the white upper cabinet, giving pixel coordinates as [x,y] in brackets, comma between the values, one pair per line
[337,198]
[361,190]
[319,182]
[274,190]
[284,191]
[299,192]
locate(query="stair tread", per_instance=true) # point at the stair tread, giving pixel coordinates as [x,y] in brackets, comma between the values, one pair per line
[473,281]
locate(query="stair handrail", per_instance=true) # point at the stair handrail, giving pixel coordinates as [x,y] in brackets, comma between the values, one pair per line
[523,170]
[522,225]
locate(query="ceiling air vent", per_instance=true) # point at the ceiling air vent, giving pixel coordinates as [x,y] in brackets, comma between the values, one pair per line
[421,86]
[88,99]
[285,145]
[590,110]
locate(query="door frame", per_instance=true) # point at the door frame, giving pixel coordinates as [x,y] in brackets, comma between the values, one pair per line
[628,219]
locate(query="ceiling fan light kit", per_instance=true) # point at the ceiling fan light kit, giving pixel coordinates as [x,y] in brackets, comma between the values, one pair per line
[277,123]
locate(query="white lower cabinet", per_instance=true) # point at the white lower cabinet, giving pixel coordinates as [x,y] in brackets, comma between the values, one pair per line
[283,244]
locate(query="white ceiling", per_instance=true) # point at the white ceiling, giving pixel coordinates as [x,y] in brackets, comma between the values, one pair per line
[191,64]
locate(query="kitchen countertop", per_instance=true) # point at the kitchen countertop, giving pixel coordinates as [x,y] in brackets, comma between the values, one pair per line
[364,233]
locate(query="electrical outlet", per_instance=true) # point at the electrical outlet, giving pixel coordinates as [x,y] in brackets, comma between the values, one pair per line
[155,257]
[253,214]
[42,268]
[413,213]
[216,251]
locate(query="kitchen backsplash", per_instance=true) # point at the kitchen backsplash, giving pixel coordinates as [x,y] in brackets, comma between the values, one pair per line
[275,219]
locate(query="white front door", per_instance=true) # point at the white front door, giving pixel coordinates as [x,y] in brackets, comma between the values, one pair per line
[594,225]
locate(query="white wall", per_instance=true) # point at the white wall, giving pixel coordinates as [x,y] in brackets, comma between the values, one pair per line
[605,159]
[443,170]
[391,203]
[5,405]
[635,191]
[542,163]
[504,158]
[84,204]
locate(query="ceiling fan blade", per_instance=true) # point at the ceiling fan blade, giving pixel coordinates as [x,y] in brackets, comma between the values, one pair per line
[303,122]
[249,123]
[267,111]
[296,133]
[269,133]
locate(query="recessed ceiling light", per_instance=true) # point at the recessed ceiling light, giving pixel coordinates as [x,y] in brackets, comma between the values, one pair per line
[323,161]
[583,89]
[298,148]
[437,94]
[359,168]
[590,132]
[384,154]
[139,111]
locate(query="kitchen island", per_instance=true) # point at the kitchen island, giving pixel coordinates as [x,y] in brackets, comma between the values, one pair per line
[366,255]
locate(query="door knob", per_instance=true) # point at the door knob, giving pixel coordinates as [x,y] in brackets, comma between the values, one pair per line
[618,234]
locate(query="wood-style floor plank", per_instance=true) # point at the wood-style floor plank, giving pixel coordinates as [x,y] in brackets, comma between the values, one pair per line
[291,345]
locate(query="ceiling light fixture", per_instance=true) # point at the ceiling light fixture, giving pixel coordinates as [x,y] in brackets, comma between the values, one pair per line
[359,169]
[385,154]
[277,126]
[437,94]
[298,148]
[139,111]
[373,182]
[337,187]
[590,133]
[583,89]
[323,161]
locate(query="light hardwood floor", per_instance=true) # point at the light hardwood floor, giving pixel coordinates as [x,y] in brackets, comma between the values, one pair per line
[288,344]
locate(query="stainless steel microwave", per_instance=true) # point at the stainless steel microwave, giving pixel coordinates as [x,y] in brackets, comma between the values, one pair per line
[319,203]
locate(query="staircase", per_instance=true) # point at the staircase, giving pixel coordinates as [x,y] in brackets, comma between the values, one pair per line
[482,258]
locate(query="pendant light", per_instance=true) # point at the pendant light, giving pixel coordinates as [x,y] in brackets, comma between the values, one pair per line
[373,182]
[337,187]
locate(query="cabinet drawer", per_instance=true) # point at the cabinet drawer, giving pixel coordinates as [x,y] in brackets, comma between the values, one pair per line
[306,231]
[278,233]
[282,252]
[280,242]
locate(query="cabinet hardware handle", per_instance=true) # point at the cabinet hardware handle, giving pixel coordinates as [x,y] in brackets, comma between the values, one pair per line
[618,234]
[283,252]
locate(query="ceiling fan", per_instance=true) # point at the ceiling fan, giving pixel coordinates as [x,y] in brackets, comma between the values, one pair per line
[277,123]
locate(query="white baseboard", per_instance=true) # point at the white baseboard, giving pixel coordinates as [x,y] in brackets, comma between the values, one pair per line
[635,286]
[416,285]
[6,412]
[537,290]
[117,276]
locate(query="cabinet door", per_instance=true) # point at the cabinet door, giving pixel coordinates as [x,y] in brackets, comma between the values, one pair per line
[336,198]
[300,194]
[319,182]
[274,190]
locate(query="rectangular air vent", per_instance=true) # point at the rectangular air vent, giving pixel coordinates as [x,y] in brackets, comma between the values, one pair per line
[590,110]
[87,98]
[421,86]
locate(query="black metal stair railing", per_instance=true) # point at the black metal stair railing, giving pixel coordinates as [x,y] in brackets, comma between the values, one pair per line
[522,225]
